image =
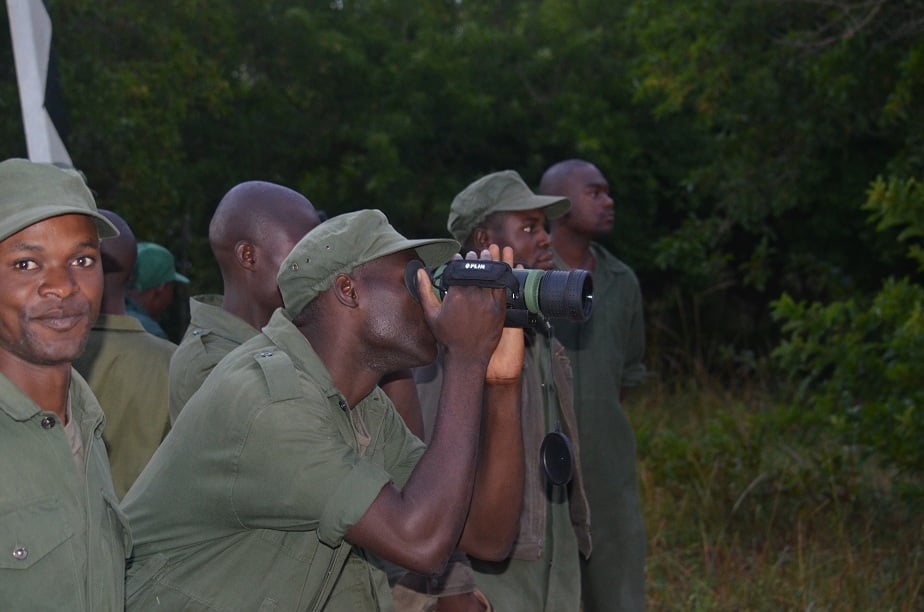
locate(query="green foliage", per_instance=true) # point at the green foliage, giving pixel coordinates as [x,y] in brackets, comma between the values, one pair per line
[737,138]
[391,105]
[692,251]
[899,204]
[795,107]
[860,362]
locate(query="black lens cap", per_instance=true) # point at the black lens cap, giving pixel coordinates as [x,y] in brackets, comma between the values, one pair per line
[557,458]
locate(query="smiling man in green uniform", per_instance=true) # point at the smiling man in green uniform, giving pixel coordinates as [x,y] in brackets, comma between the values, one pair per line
[289,472]
[62,537]
[606,353]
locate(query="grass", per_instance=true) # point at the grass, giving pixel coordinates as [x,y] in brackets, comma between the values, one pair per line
[748,508]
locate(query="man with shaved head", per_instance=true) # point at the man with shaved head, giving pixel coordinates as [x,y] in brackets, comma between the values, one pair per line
[253,228]
[606,354]
[126,367]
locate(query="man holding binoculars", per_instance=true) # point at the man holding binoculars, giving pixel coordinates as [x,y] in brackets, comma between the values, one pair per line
[542,571]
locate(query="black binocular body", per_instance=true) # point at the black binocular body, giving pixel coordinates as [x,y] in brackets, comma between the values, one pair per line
[553,294]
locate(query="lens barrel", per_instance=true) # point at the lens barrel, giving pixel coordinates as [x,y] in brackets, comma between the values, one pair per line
[556,294]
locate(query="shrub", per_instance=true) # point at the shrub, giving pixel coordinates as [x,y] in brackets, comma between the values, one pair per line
[858,364]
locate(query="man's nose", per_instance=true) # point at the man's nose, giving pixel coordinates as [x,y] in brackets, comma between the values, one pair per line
[59,281]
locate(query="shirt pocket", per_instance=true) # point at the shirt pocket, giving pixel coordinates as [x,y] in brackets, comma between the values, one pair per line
[31,532]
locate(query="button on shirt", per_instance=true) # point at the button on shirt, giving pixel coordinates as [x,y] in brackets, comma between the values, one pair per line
[62,536]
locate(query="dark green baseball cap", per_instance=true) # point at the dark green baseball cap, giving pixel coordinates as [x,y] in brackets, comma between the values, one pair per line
[31,192]
[155,266]
[503,191]
[343,243]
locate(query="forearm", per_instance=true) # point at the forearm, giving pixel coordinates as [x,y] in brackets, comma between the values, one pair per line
[498,494]
[452,453]
[419,526]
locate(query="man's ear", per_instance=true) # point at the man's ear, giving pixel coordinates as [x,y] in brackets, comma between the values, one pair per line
[480,238]
[345,291]
[245,253]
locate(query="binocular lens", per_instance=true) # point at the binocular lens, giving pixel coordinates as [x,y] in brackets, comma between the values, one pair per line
[556,294]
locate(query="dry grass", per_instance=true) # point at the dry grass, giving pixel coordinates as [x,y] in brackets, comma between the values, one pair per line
[749,510]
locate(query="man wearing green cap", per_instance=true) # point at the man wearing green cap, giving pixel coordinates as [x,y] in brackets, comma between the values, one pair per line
[155,284]
[542,571]
[62,535]
[289,472]
[606,352]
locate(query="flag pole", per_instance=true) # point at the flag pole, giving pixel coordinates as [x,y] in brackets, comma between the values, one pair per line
[30,30]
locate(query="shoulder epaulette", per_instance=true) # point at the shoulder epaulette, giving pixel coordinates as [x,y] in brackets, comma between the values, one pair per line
[279,371]
[200,333]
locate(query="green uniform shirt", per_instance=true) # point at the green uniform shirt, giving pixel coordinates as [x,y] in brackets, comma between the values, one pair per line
[63,538]
[212,333]
[245,504]
[606,354]
[126,368]
[543,572]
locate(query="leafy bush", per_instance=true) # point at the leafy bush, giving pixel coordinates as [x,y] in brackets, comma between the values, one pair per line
[859,363]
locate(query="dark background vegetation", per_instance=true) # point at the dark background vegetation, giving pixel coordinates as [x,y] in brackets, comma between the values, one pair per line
[765,156]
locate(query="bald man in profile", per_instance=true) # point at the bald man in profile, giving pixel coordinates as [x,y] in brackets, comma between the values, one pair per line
[253,228]
[126,367]
[607,357]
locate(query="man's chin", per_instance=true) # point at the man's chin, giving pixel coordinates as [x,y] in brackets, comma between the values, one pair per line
[604,229]
[59,352]
[53,360]
[429,358]
[427,353]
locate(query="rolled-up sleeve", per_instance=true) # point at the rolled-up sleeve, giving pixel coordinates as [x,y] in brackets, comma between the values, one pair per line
[296,472]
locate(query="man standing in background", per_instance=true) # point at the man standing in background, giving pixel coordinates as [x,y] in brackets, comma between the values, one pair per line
[606,354]
[252,230]
[541,571]
[155,283]
[126,367]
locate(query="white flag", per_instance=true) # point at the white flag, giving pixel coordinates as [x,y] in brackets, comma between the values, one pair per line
[30,28]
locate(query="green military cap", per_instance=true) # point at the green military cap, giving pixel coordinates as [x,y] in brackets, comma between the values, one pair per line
[31,192]
[498,192]
[343,243]
[155,266]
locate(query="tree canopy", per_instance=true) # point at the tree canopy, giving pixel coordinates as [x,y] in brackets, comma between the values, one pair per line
[739,138]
